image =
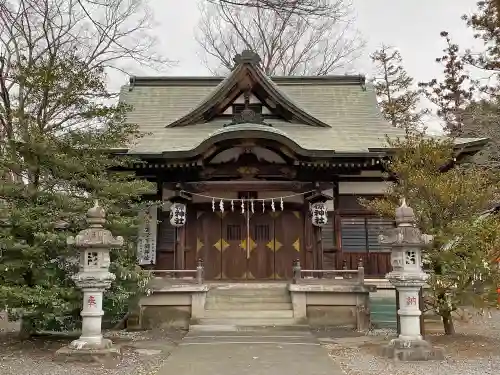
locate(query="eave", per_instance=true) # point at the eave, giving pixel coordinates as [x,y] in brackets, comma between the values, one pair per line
[466,148]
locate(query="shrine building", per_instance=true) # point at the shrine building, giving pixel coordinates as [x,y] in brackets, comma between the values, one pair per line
[248,163]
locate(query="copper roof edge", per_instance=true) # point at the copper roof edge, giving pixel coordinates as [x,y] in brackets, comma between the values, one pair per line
[211,81]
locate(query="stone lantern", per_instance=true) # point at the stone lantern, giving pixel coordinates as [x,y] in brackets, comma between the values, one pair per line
[94,244]
[406,242]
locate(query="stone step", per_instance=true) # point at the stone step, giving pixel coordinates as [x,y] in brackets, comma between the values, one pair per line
[216,329]
[245,292]
[281,334]
[247,305]
[244,314]
[241,323]
[209,327]
[249,299]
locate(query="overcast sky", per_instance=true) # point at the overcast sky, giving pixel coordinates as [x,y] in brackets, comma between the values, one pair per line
[411,25]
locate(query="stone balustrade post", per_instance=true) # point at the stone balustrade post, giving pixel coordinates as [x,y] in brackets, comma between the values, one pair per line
[199,271]
[297,270]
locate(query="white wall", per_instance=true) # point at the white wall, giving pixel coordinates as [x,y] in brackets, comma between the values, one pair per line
[363,188]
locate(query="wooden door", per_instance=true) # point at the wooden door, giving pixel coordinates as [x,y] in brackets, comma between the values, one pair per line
[289,246]
[261,246]
[209,243]
[233,246]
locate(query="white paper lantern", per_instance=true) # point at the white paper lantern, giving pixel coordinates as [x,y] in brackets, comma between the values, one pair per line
[319,214]
[178,214]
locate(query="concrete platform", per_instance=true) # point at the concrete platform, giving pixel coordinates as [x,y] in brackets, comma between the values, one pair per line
[224,327]
[240,353]
[66,354]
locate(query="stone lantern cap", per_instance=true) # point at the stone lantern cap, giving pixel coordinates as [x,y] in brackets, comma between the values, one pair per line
[405,215]
[95,236]
[405,233]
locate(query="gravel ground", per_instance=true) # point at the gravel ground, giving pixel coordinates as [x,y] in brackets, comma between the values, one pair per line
[474,350]
[142,354]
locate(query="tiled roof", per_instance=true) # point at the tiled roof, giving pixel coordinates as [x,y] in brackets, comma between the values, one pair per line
[356,124]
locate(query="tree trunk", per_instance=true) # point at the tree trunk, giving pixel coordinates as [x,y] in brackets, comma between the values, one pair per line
[448,325]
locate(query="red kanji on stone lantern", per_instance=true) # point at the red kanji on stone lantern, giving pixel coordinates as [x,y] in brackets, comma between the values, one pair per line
[410,301]
[91,301]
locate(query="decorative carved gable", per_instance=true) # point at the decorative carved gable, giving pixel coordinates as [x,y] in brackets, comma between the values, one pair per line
[247,81]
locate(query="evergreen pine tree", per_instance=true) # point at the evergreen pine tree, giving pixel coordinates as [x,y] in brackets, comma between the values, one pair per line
[485,23]
[59,126]
[463,259]
[397,99]
[453,93]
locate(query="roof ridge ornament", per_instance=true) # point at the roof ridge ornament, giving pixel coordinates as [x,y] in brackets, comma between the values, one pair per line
[247,56]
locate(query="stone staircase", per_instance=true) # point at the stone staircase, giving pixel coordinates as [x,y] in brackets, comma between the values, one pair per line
[247,306]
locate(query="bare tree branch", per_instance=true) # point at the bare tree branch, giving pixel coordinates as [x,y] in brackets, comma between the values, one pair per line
[39,39]
[305,8]
[288,43]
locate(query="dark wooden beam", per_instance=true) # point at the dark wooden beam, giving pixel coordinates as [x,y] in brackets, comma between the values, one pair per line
[336,194]
[295,186]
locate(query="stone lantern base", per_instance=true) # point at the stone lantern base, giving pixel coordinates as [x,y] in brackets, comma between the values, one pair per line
[87,352]
[412,350]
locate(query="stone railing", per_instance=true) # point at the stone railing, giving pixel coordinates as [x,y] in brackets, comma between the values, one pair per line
[344,275]
[182,275]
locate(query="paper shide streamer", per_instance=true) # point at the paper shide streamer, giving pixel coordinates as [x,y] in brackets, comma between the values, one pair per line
[251,202]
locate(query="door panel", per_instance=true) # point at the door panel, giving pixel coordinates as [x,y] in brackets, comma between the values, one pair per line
[261,246]
[192,248]
[276,240]
[289,242]
[208,242]
[232,246]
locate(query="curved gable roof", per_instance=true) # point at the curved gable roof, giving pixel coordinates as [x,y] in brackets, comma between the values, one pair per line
[247,75]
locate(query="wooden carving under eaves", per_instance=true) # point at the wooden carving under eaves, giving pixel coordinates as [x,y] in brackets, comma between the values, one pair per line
[248,172]
[247,76]
[247,115]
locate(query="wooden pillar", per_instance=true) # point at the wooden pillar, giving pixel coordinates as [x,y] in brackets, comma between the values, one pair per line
[318,244]
[180,232]
[308,235]
[157,197]
[181,248]
[336,225]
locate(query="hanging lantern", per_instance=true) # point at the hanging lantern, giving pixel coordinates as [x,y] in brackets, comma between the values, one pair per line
[178,214]
[319,214]
[318,208]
